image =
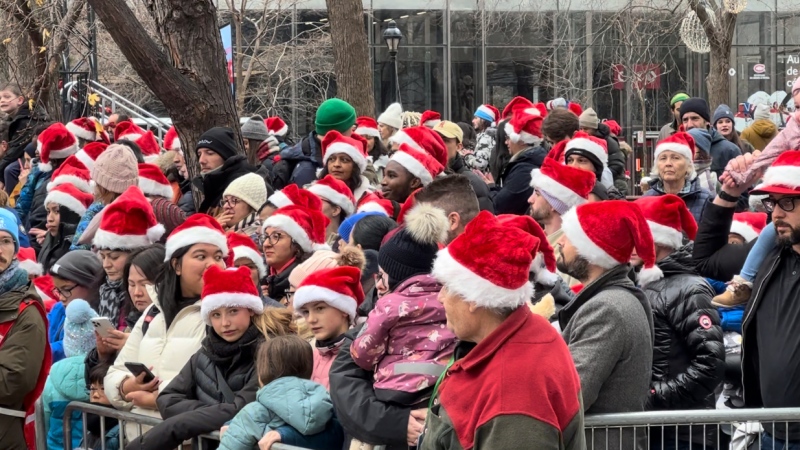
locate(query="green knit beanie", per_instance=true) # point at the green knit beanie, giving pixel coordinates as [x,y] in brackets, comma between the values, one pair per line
[679,97]
[334,114]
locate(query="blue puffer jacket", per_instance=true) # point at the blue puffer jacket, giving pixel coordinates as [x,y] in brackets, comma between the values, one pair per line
[305,157]
[55,331]
[65,384]
[36,179]
[301,404]
[695,197]
[92,211]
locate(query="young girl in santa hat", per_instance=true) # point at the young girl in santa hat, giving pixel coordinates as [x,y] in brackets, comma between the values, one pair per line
[65,204]
[195,403]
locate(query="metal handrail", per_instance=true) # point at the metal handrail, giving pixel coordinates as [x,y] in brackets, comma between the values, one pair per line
[133,109]
[692,417]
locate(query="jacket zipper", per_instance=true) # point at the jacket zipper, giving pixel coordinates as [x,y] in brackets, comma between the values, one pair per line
[755,305]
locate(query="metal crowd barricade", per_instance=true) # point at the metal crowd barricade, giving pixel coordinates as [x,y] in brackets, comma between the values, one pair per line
[718,429]
[41,433]
[124,418]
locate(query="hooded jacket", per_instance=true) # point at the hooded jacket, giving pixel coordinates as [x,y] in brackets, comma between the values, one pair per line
[695,197]
[54,247]
[510,194]
[760,133]
[215,182]
[301,404]
[20,133]
[65,384]
[484,144]
[299,163]
[722,151]
[55,331]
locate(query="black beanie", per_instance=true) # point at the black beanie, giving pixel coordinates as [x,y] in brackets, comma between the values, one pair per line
[220,140]
[696,105]
[598,165]
[402,257]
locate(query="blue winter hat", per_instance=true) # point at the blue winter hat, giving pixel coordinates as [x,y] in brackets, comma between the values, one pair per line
[723,111]
[78,328]
[702,139]
[9,224]
[347,226]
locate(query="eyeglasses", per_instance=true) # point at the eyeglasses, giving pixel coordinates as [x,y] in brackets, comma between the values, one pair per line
[64,292]
[273,238]
[786,204]
[6,242]
[289,295]
[232,200]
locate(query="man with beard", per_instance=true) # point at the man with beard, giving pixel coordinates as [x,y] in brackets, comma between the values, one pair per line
[609,325]
[771,322]
[556,189]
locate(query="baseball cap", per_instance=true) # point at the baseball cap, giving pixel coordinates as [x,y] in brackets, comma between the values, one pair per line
[449,130]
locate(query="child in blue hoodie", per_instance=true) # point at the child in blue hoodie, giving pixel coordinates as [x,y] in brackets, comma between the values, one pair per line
[287,404]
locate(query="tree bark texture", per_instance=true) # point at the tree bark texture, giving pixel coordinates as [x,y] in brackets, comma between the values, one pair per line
[351,55]
[720,37]
[188,76]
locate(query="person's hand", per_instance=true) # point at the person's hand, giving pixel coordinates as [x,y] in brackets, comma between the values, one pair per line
[416,423]
[143,399]
[270,438]
[132,384]
[486,177]
[23,171]
[36,232]
[116,340]
[223,219]
[466,151]
[103,349]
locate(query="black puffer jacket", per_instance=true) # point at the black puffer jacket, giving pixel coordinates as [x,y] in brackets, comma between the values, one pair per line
[458,166]
[510,194]
[616,159]
[214,183]
[688,354]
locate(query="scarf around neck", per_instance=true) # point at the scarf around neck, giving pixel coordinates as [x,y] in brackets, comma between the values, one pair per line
[111,299]
[221,351]
[12,278]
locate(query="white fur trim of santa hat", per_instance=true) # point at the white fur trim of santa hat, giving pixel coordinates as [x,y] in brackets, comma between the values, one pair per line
[81,184]
[243,251]
[680,149]
[64,152]
[130,137]
[32,267]
[373,207]
[788,176]
[367,131]
[282,130]
[330,194]
[542,275]
[150,187]
[522,136]
[151,158]
[401,137]
[581,241]
[65,200]
[413,166]
[279,199]
[744,230]
[295,231]
[552,187]
[308,294]
[213,302]
[347,149]
[108,240]
[488,112]
[87,160]
[589,146]
[666,236]
[81,132]
[195,235]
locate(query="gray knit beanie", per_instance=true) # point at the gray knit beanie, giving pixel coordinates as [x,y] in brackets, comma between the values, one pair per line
[116,169]
[589,119]
[255,129]
[79,266]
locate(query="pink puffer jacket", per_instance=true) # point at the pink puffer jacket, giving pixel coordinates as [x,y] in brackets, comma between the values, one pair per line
[788,139]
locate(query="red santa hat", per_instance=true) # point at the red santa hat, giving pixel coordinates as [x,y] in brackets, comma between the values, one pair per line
[228,288]
[56,142]
[27,261]
[575,108]
[488,113]
[373,203]
[336,192]
[367,126]
[669,219]
[72,171]
[353,146]
[488,264]
[241,246]
[46,289]
[748,224]
[197,229]
[88,128]
[276,125]
[171,140]
[782,177]
[606,233]
[569,185]
[128,223]
[418,163]
[515,103]
[594,146]
[70,197]
[430,118]
[424,139]
[293,195]
[127,130]
[153,182]
[613,126]
[525,126]
[89,153]
[305,226]
[149,146]
[680,142]
[407,205]
[339,287]
[544,258]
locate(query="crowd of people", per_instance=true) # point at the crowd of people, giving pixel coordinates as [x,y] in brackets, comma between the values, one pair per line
[403,280]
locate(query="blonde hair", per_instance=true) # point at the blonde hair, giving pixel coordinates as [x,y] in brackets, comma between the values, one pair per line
[3,197]
[411,119]
[275,322]
[103,195]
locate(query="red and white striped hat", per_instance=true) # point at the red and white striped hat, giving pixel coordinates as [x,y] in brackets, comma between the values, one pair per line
[88,129]
[669,219]
[128,223]
[149,146]
[228,288]
[367,126]
[241,246]
[680,142]
[27,261]
[782,177]
[306,226]
[544,258]
[525,126]
[171,140]
[336,192]
[488,265]
[487,112]
[197,229]
[153,182]
[748,224]
[276,125]
[69,197]
[293,195]
[430,119]
[89,153]
[127,130]
[72,171]
[569,185]
[582,141]
[353,146]
[56,142]
[424,139]
[339,287]
[418,163]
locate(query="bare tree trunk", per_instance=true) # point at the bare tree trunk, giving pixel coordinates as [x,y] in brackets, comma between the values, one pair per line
[720,37]
[351,55]
[718,80]
[190,79]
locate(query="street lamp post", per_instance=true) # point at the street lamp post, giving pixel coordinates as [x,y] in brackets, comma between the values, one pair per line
[392,36]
